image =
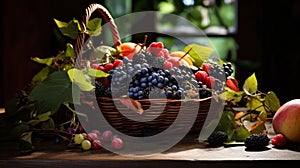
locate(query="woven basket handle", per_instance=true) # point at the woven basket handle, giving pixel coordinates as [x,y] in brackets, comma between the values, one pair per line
[86,17]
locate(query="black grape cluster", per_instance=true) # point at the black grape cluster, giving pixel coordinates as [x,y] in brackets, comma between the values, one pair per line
[147,57]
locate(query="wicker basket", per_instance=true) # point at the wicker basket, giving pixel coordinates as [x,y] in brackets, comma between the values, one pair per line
[163,112]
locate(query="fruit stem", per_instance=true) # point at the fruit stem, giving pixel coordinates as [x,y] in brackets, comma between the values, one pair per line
[185,54]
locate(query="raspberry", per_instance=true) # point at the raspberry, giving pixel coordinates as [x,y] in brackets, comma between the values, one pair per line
[278,140]
[201,75]
[217,138]
[257,141]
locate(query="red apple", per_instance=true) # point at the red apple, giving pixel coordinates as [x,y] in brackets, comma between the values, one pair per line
[287,120]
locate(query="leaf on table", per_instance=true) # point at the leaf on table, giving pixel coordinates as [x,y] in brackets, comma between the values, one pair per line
[134,105]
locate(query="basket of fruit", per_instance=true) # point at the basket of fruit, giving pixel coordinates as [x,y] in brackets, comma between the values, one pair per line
[143,89]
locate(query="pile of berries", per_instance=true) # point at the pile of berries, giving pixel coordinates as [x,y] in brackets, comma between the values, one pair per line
[94,140]
[155,72]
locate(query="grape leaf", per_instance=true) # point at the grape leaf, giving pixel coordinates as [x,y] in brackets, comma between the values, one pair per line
[42,75]
[255,104]
[232,95]
[52,92]
[250,85]
[47,61]
[272,101]
[77,76]
[70,29]
[70,51]
[240,134]
[94,27]
[198,53]
[48,124]
[97,73]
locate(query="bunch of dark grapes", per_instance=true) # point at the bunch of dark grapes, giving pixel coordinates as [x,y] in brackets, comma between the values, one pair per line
[228,69]
[149,58]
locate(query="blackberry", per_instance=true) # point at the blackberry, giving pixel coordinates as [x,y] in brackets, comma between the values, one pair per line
[101,90]
[139,58]
[217,138]
[257,141]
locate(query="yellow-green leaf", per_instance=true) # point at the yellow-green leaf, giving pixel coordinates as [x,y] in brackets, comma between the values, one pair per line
[96,73]
[70,29]
[70,51]
[42,75]
[250,85]
[94,27]
[272,101]
[47,61]
[198,53]
[78,77]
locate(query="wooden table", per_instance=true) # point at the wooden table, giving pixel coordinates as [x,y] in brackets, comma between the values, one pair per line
[187,153]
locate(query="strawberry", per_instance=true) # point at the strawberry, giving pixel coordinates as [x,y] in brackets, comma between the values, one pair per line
[117,62]
[232,83]
[200,76]
[206,67]
[101,68]
[210,81]
[108,67]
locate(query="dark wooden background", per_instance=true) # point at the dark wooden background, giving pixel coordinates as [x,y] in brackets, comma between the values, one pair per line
[268,33]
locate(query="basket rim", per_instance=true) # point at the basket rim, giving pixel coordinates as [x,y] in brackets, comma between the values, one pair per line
[158,99]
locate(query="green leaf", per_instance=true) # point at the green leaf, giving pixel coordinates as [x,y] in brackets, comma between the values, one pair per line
[94,27]
[198,53]
[70,29]
[52,92]
[97,73]
[263,115]
[78,77]
[240,134]
[250,85]
[230,95]
[255,104]
[25,144]
[42,75]
[272,101]
[47,61]
[44,116]
[70,51]
[48,124]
